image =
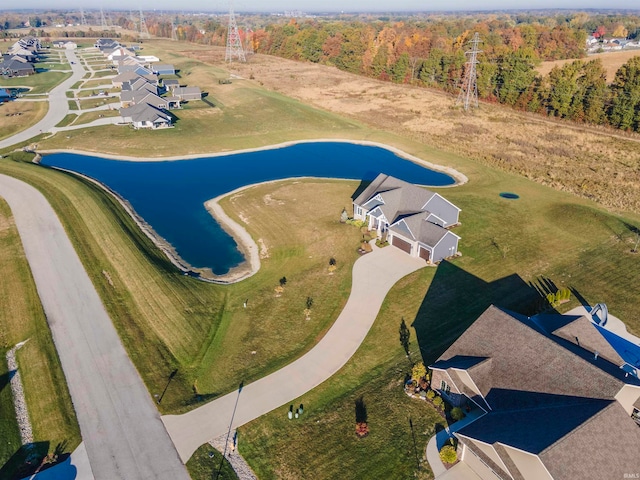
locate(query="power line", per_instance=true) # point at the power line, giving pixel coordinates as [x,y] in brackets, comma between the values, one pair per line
[234,44]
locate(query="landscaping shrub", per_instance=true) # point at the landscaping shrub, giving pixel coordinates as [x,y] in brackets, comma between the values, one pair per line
[448,454]
[431,394]
[457,413]
[438,402]
[418,371]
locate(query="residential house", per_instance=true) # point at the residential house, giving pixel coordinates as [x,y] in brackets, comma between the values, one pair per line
[129,77]
[410,217]
[556,403]
[143,115]
[187,93]
[12,66]
[163,69]
[129,98]
[106,44]
[136,68]
[170,85]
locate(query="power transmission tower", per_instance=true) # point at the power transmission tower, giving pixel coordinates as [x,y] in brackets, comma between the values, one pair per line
[249,49]
[83,20]
[144,31]
[103,20]
[174,31]
[234,44]
[469,88]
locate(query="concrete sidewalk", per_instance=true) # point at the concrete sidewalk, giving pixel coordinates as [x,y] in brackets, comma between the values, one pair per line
[122,431]
[373,276]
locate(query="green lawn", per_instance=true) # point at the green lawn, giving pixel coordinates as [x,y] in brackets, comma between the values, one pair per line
[207,463]
[21,318]
[40,82]
[67,120]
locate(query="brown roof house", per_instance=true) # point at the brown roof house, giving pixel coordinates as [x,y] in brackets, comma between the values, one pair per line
[410,217]
[558,401]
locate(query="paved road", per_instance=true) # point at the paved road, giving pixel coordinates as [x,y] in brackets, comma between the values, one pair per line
[58,106]
[373,276]
[119,422]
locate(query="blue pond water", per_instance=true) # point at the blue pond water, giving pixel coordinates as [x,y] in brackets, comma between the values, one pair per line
[170,196]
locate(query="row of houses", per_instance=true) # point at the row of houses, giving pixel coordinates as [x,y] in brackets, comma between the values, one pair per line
[144,98]
[595,45]
[19,59]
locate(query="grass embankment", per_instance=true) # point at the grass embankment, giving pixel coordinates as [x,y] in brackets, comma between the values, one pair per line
[18,116]
[21,318]
[91,116]
[509,248]
[41,82]
[171,322]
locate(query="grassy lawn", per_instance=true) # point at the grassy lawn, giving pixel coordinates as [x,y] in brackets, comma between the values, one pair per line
[67,120]
[91,116]
[40,82]
[544,233]
[89,93]
[104,73]
[96,83]
[18,116]
[97,102]
[21,318]
[205,464]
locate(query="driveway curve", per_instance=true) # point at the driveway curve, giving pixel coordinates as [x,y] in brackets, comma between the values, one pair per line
[119,422]
[373,276]
[58,105]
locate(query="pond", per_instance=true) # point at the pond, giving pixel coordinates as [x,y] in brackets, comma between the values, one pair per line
[170,195]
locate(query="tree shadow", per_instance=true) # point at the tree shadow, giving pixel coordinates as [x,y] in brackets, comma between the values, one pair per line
[361,410]
[5,378]
[456,298]
[25,461]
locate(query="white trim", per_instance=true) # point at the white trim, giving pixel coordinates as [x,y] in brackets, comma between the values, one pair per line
[441,219]
[488,445]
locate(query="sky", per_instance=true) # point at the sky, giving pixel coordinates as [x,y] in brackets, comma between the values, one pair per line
[328,5]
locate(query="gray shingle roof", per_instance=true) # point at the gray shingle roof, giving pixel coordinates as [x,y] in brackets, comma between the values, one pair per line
[143,112]
[549,396]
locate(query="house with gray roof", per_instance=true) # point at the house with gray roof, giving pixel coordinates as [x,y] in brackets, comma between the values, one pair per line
[170,84]
[143,115]
[410,217]
[187,93]
[556,399]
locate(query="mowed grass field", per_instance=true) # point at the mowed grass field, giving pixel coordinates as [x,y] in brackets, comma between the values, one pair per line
[21,318]
[17,116]
[611,61]
[39,83]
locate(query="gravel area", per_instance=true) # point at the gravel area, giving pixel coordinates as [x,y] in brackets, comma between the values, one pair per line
[19,401]
[242,469]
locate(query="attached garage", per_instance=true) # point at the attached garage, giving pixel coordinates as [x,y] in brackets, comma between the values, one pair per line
[425,253]
[401,244]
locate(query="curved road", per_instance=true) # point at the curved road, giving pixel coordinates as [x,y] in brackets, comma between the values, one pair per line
[120,425]
[58,105]
[373,276]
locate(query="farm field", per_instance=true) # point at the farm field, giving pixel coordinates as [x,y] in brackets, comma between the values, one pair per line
[611,61]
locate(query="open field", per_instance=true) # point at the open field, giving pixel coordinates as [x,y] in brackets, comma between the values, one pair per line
[611,61]
[40,82]
[21,318]
[17,116]
[592,162]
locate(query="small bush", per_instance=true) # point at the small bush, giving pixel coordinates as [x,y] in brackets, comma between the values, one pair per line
[362,429]
[438,402]
[431,394]
[457,413]
[418,371]
[283,281]
[448,454]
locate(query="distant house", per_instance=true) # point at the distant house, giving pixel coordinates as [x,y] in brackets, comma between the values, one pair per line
[411,218]
[163,69]
[65,44]
[16,67]
[143,115]
[142,96]
[106,44]
[555,399]
[170,85]
[187,93]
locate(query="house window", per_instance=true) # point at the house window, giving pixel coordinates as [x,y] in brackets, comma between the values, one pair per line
[444,387]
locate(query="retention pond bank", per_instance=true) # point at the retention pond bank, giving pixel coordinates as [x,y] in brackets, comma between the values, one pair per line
[170,195]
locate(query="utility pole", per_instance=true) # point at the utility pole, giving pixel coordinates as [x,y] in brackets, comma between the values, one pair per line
[234,45]
[469,88]
[103,20]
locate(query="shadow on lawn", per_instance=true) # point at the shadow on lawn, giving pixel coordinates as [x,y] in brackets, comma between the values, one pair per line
[32,458]
[456,298]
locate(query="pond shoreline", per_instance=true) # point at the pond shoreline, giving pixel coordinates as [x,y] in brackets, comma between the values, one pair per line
[458,177]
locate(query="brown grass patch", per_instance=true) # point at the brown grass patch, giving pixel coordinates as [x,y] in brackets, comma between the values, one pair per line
[611,61]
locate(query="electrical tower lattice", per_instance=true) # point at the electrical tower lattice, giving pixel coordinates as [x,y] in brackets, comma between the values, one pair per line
[469,88]
[234,44]
[144,31]
[83,19]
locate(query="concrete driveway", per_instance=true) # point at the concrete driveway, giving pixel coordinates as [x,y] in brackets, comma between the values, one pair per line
[120,425]
[373,276]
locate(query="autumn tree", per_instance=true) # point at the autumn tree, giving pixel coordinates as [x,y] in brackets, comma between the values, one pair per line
[625,104]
